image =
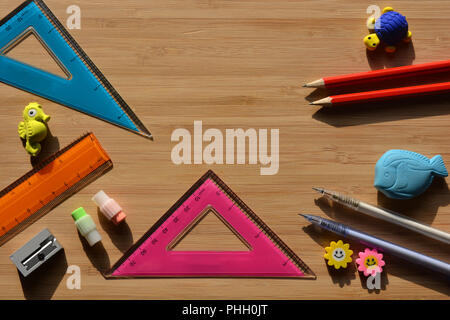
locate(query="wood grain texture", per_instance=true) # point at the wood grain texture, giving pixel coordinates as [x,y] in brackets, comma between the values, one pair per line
[238,64]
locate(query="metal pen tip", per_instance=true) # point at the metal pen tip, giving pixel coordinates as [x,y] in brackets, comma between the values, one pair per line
[304,216]
[319,190]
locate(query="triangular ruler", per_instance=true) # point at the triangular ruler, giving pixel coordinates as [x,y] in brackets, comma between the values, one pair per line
[84,89]
[268,255]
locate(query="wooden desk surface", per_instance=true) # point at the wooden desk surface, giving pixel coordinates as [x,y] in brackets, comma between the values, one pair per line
[238,64]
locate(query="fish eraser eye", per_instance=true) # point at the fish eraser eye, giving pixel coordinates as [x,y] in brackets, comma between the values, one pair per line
[403,174]
[338,254]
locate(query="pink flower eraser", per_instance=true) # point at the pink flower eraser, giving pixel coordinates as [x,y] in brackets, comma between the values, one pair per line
[370,262]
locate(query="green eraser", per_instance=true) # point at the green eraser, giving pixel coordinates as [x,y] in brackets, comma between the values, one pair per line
[78,213]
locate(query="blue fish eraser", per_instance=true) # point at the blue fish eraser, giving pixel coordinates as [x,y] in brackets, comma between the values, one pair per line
[403,174]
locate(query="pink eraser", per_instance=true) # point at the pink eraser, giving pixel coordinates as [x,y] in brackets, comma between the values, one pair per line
[118,218]
[370,262]
[109,207]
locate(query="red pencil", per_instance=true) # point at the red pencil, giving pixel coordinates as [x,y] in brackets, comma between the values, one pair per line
[383,94]
[380,75]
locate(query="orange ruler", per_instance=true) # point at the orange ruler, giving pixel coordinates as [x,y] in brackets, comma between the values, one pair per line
[50,183]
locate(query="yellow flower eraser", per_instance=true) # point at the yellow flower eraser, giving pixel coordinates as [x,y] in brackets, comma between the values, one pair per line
[338,254]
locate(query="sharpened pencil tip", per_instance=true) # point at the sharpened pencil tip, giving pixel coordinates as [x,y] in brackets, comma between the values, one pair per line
[304,86]
[328,101]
